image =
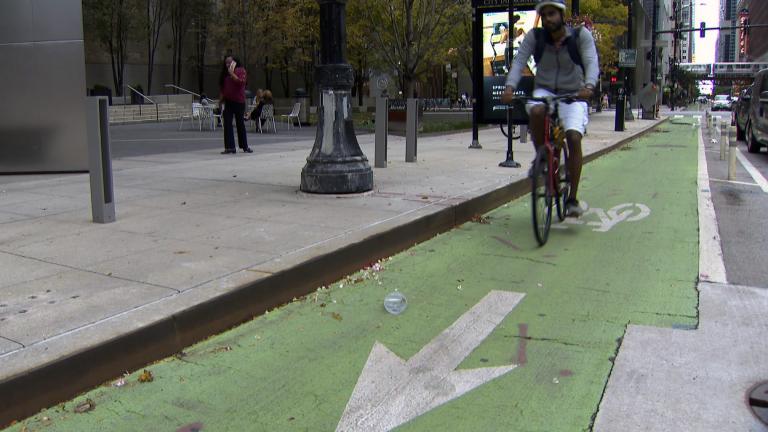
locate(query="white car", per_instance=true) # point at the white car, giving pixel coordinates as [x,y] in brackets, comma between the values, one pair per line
[722,102]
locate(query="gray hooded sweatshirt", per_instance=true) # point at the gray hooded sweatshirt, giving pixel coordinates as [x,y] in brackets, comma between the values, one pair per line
[555,71]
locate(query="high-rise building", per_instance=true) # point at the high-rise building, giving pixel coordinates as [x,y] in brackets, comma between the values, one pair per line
[684,19]
[728,41]
[753,43]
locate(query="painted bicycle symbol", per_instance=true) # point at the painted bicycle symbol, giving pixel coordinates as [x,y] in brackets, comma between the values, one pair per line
[607,219]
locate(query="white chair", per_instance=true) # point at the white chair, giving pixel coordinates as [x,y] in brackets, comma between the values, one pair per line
[293,115]
[197,113]
[268,115]
[210,106]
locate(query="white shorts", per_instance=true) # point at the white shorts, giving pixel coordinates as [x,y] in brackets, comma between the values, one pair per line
[573,116]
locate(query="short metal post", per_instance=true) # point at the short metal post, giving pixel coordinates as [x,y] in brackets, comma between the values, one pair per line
[382,128]
[732,149]
[509,162]
[411,129]
[724,129]
[523,134]
[621,105]
[100,160]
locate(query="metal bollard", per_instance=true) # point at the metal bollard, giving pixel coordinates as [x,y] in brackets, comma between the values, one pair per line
[411,129]
[620,116]
[732,149]
[100,160]
[382,130]
[724,136]
[523,134]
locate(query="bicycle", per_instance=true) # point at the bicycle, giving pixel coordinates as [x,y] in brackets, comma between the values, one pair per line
[550,180]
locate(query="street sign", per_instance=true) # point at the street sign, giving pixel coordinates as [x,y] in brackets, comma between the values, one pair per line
[627,58]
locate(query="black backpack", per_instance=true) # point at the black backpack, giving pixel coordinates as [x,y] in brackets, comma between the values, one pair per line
[572,45]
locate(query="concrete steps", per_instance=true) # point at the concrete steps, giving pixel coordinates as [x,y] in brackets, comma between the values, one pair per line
[128,114]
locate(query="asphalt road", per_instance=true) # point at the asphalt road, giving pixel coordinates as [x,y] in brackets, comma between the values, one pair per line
[741,207]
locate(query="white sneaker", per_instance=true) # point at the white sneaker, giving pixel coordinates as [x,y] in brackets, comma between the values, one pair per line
[573,209]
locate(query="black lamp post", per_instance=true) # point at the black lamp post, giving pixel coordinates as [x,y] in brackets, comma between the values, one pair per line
[336,164]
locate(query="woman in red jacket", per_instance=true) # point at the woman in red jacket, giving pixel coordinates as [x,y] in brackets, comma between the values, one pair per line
[232,98]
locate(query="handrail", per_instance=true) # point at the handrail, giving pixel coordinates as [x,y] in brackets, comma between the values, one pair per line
[182,89]
[140,94]
[157,109]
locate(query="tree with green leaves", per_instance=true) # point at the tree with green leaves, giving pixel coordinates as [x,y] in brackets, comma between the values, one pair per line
[111,24]
[304,37]
[411,35]
[360,46]
[609,18]
[185,17]
[460,38]
[156,15]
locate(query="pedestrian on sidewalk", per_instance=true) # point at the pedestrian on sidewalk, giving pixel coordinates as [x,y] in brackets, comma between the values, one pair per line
[258,105]
[232,98]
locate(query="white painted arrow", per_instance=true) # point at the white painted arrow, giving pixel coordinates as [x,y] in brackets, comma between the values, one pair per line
[391,391]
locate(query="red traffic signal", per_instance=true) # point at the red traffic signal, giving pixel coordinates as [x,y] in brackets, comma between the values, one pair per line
[614,79]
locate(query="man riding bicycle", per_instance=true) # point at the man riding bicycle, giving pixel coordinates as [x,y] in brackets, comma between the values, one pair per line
[557,74]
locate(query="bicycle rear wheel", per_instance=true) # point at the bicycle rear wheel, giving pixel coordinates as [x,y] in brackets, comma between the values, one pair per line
[563,179]
[541,197]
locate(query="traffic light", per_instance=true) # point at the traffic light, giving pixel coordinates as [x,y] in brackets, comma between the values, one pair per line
[702,26]
[614,79]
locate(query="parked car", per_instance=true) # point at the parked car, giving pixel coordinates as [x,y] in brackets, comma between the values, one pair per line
[752,122]
[722,102]
[740,113]
[703,100]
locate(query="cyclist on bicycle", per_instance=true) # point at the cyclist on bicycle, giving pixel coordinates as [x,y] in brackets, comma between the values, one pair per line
[557,74]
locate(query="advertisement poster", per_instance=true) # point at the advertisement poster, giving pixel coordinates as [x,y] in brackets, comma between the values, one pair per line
[500,43]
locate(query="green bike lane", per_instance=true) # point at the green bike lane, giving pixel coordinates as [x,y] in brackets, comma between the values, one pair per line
[631,259]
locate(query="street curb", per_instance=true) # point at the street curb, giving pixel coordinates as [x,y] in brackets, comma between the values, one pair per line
[26,394]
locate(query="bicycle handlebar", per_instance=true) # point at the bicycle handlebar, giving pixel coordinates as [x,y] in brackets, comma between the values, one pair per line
[569,98]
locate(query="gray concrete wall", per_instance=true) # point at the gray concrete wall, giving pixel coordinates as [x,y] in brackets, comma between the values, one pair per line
[42,80]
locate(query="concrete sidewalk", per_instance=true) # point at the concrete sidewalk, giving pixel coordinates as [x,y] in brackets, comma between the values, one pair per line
[204,241]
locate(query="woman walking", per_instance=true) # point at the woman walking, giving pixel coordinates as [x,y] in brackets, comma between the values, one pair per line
[232,87]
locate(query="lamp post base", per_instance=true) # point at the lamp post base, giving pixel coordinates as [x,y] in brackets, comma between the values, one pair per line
[340,177]
[336,164]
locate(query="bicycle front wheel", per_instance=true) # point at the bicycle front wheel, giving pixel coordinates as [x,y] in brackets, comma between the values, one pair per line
[541,197]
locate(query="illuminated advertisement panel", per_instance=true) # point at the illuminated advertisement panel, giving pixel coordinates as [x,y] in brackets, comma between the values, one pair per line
[496,43]
[500,46]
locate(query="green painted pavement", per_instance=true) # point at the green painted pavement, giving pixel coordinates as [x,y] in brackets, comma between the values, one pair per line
[294,369]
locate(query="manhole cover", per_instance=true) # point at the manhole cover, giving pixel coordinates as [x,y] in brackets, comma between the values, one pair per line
[758,401]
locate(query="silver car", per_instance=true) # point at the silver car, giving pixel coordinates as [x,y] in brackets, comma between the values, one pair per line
[722,102]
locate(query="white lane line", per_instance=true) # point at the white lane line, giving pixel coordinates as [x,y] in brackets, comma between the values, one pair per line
[733,182]
[759,179]
[217,138]
[711,265]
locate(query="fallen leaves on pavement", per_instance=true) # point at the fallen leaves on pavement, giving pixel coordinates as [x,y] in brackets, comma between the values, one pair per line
[84,407]
[146,377]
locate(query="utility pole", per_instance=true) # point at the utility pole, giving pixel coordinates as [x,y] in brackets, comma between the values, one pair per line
[673,66]
[628,71]
[655,28]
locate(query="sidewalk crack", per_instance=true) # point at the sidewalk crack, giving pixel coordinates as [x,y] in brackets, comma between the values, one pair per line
[11,340]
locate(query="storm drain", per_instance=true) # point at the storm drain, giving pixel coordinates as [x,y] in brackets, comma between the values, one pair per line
[758,401]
